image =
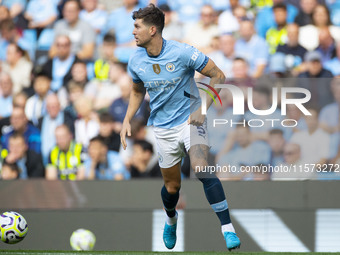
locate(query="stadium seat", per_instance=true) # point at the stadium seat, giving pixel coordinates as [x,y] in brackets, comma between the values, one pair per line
[46,39]
[29,42]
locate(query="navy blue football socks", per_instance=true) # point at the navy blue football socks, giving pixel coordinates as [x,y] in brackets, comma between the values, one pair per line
[169,202]
[215,194]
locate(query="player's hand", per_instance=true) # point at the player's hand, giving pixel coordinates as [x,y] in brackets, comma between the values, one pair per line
[196,118]
[126,129]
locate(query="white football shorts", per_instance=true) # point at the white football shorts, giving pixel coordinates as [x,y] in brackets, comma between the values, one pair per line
[171,142]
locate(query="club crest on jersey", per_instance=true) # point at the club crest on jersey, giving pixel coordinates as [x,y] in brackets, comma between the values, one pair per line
[156,68]
[170,67]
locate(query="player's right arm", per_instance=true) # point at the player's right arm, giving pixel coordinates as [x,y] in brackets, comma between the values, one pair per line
[136,99]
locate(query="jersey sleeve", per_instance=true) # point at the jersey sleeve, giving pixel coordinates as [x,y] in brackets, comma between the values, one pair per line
[193,58]
[132,72]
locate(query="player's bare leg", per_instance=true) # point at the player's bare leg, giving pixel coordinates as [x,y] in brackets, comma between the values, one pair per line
[214,192]
[170,196]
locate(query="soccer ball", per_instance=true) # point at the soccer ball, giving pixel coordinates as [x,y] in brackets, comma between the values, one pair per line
[13,227]
[82,240]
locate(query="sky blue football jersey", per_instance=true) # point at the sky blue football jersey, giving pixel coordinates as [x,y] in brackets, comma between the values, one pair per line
[169,80]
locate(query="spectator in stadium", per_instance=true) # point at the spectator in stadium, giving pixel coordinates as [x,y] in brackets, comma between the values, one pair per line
[223,57]
[292,159]
[142,154]
[333,64]
[202,32]
[276,142]
[103,164]
[19,100]
[48,123]
[294,52]
[314,142]
[9,171]
[277,68]
[79,73]
[309,34]
[265,17]
[19,66]
[19,124]
[140,131]
[28,161]
[106,132]
[11,34]
[76,91]
[81,34]
[119,106]
[4,13]
[253,48]
[16,9]
[120,22]
[92,15]
[304,17]
[59,67]
[107,52]
[36,104]
[172,28]
[41,14]
[6,95]
[329,119]
[86,126]
[326,45]
[277,35]
[321,92]
[240,74]
[243,151]
[229,20]
[105,92]
[65,161]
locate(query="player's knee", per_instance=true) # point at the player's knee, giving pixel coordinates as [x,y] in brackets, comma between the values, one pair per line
[199,165]
[173,187]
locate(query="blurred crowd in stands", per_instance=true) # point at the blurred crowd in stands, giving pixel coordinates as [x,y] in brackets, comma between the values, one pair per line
[64,86]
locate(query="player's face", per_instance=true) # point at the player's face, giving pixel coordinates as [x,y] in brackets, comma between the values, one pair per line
[141,33]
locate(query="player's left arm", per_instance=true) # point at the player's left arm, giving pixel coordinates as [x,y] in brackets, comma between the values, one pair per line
[216,77]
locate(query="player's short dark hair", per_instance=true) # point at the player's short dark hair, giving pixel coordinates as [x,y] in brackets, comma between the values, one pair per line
[276,131]
[13,166]
[151,15]
[145,145]
[281,6]
[105,117]
[109,38]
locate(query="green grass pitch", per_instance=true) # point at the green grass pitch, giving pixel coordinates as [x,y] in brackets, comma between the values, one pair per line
[23,252]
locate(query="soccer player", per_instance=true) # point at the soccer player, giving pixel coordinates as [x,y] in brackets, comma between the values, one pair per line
[166,70]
